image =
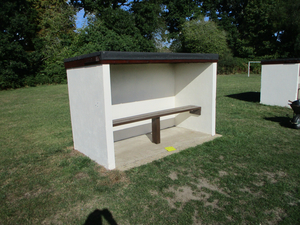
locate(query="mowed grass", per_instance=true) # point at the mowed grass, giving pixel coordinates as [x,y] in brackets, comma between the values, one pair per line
[248,176]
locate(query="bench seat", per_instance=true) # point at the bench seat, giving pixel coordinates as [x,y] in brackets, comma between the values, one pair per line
[155,116]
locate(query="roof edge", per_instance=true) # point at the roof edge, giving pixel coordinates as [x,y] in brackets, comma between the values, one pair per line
[280,61]
[112,57]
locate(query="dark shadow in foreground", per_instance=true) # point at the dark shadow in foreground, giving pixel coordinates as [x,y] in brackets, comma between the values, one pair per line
[283,121]
[247,96]
[95,218]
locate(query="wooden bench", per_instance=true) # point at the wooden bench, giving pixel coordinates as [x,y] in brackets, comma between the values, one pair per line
[155,116]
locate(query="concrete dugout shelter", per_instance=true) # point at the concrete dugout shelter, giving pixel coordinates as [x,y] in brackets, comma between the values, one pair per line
[106,86]
[279,81]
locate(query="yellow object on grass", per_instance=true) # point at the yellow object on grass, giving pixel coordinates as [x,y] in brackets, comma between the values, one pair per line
[169,149]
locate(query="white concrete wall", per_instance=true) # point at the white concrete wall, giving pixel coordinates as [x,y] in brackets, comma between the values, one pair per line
[138,89]
[91,116]
[141,88]
[196,85]
[100,93]
[279,83]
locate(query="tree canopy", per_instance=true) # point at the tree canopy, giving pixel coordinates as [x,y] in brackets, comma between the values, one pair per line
[18,42]
[195,39]
[36,35]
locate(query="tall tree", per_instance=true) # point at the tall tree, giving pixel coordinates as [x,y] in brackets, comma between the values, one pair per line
[288,32]
[97,36]
[147,17]
[56,19]
[18,43]
[250,25]
[226,14]
[177,12]
[123,26]
[195,35]
[257,29]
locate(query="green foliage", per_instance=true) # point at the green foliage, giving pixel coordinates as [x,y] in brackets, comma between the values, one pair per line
[122,23]
[232,65]
[98,6]
[35,38]
[176,13]
[226,15]
[195,39]
[36,35]
[98,37]
[288,32]
[57,33]
[18,43]
[250,25]
[257,29]
[119,29]
[147,17]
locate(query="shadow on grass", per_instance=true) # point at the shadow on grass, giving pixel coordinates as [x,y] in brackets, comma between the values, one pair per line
[95,218]
[247,96]
[283,121]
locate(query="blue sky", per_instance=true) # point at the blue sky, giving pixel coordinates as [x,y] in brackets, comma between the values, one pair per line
[80,21]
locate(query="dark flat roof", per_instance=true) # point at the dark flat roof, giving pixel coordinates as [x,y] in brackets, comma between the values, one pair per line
[112,57]
[280,61]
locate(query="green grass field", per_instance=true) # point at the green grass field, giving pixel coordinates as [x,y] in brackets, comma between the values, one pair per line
[248,176]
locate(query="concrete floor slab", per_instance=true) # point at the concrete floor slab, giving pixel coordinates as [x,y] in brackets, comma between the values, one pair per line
[137,151]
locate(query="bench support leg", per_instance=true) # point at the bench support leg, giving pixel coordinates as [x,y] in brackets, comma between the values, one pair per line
[156,130]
